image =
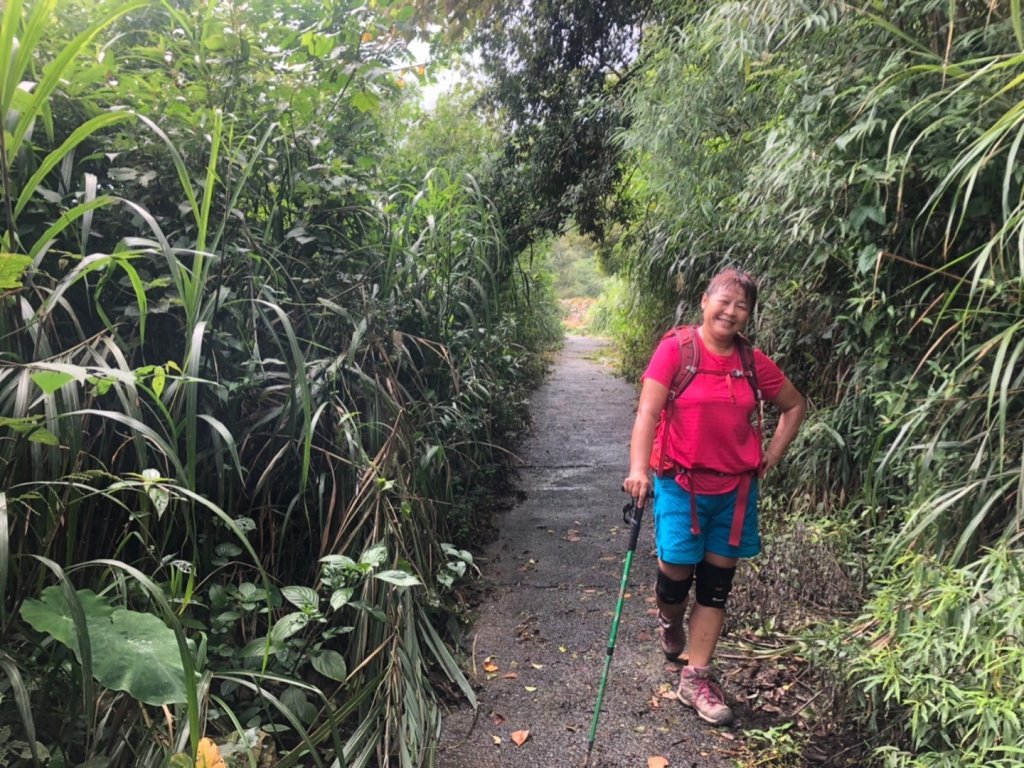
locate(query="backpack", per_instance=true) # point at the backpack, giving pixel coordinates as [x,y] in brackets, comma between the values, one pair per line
[689,366]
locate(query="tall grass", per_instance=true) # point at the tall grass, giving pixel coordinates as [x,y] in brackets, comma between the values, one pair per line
[238,393]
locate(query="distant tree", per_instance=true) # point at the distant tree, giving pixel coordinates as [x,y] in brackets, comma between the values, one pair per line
[558,71]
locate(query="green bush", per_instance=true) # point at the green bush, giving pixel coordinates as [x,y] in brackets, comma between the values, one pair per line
[940,664]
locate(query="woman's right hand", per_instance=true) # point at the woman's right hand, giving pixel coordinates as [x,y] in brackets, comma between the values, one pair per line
[638,485]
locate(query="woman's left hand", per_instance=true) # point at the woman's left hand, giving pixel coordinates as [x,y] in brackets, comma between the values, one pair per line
[769,461]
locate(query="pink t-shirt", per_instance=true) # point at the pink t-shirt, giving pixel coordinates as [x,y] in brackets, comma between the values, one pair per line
[712,424]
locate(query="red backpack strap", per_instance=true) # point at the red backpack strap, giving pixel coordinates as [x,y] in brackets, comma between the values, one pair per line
[689,359]
[746,351]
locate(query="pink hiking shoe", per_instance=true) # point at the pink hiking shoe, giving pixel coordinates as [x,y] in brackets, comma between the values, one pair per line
[698,689]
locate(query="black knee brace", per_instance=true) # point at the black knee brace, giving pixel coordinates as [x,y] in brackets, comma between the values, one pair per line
[670,591]
[713,584]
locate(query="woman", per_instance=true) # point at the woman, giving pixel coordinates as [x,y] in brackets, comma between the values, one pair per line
[712,456]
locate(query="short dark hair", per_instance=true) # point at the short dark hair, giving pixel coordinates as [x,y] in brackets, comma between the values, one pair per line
[735,278]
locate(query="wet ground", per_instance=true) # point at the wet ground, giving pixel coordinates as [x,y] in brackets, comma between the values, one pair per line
[550,581]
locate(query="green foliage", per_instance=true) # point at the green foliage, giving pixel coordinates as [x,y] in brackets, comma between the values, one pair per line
[576,268]
[963,625]
[245,322]
[776,747]
[557,70]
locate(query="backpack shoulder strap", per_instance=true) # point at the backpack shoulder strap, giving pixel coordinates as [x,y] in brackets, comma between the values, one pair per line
[689,358]
[746,351]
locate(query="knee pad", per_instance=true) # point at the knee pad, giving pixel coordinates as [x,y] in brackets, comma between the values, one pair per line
[670,591]
[713,584]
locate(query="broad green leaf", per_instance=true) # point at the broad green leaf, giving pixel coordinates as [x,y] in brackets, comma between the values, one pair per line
[256,647]
[365,102]
[330,664]
[43,436]
[302,598]
[158,381]
[398,578]
[12,267]
[867,258]
[338,561]
[32,427]
[228,549]
[374,556]
[288,625]
[131,651]
[160,497]
[51,381]
[341,596]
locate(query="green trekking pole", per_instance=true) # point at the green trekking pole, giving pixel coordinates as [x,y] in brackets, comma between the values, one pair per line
[631,515]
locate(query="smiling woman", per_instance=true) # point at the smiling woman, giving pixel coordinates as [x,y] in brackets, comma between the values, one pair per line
[706,479]
[727,305]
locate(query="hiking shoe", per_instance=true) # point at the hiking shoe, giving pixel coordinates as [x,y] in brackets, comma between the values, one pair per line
[700,690]
[673,636]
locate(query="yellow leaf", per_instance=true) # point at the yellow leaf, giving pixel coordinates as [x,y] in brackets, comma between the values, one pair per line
[497,740]
[208,755]
[490,666]
[657,762]
[530,688]
[519,737]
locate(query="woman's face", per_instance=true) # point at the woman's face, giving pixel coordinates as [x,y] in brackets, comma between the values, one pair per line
[726,312]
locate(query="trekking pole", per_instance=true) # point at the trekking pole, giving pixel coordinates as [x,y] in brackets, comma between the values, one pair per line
[631,514]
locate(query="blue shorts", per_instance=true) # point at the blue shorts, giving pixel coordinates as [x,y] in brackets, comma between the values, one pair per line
[677,544]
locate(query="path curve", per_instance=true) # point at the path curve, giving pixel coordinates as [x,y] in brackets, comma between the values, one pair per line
[551,579]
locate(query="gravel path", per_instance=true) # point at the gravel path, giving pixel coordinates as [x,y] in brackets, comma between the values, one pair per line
[550,582]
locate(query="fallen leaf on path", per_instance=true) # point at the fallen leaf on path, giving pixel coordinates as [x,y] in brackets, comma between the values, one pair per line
[519,737]
[497,718]
[490,666]
[530,688]
[497,740]
[655,704]
[510,676]
[657,762]
[209,754]
[572,536]
[537,666]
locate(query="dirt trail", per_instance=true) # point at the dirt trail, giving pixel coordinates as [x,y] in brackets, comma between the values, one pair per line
[551,579]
